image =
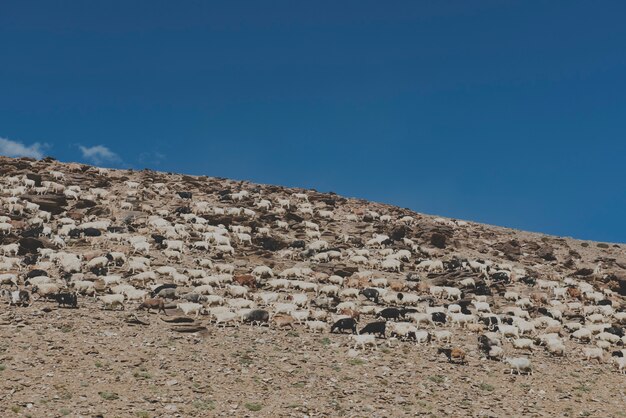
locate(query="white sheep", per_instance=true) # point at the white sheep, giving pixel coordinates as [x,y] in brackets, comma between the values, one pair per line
[363,341]
[111,301]
[190,308]
[519,364]
[523,343]
[316,326]
[593,353]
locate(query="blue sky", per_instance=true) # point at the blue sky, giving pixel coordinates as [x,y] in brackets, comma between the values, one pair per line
[504,112]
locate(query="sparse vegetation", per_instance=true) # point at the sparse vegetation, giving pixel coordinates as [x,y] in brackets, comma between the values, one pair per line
[486,387]
[203,405]
[253,407]
[109,396]
[437,379]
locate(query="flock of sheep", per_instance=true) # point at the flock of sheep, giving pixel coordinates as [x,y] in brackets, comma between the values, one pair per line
[164,245]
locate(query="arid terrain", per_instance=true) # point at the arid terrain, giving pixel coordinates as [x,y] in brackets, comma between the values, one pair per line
[69,224]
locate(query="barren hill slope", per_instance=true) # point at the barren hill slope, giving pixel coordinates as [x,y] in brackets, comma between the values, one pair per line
[233,247]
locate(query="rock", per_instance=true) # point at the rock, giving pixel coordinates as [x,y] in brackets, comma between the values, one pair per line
[53,203]
[546,253]
[511,249]
[345,271]
[438,240]
[271,243]
[36,177]
[84,204]
[583,272]
[400,232]
[290,216]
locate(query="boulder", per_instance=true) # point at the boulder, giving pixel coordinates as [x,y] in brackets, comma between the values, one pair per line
[511,249]
[546,252]
[53,203]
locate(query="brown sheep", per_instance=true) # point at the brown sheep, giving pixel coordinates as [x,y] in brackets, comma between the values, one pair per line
[574,293]
[397,286]
[157,303]
[454,355]
[245,280]
[356,315]
[283,320]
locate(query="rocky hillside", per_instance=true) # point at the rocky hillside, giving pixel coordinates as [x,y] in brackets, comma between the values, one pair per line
[237,252]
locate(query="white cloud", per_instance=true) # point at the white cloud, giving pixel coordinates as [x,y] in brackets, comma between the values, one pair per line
[99,154]
[17,149]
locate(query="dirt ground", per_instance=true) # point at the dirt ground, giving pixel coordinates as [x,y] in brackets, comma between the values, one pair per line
[59,363]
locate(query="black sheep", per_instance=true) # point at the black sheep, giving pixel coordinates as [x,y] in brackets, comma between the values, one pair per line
[163,286]
[377,327]
[91,232]
[36,272]
[390,313]
[66,299]
[438,317]
[616,330]
[257,316]
[344,324]
[489,321]
[370,294]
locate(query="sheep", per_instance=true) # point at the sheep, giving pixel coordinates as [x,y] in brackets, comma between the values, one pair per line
[443,336]
[316,326]
[111,301]
[420,318]
[283,321]
[555,347]
[583,334]
[10,249]
[330,290]
[607,336]
[391,265]
[135,294]
[523,343]
[141,247]
[620,364]
[84,287]
[5,228]
[224,318]
[263,271]
[157,304]
[519,365]
[236,291]
[453,354]
[436,291]
[256,317]
[203,289]
[401,329]
[191,307]
[266,297]
[363,341]
[593,353]
[46,289]
[462,319]
[299,299]
[509,330]
[283,308]
[97,262]
[481,306]
[8,278]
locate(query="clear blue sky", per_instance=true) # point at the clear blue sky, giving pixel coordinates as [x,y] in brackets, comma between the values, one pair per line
[505,112]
